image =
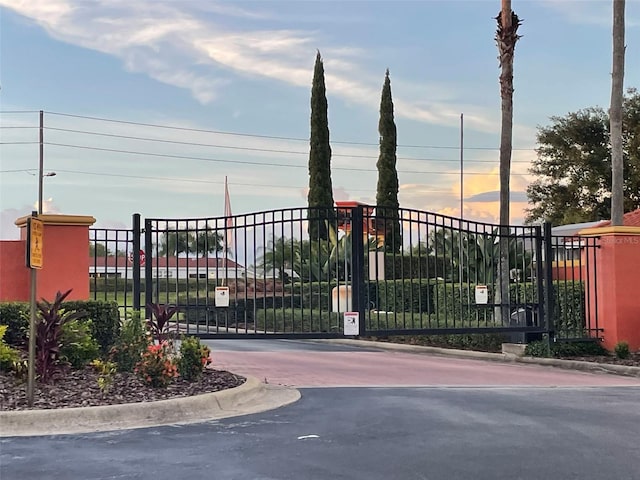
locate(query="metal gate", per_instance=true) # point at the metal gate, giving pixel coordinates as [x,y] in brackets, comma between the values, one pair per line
[294,272]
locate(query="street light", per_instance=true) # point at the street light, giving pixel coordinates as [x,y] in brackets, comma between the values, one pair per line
[40,188]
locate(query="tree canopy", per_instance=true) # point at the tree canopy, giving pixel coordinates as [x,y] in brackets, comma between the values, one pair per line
[573,167]
[387,189]
[320,196]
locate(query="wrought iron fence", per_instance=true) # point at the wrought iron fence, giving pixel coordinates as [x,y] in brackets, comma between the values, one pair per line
[294,272]
[114,265]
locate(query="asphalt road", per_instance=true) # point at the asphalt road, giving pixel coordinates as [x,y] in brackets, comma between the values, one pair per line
[428,417]
[367,433]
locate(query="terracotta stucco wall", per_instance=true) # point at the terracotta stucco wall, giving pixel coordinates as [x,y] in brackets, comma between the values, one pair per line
[14,276]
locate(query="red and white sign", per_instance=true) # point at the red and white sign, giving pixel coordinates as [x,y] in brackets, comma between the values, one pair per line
[142,257]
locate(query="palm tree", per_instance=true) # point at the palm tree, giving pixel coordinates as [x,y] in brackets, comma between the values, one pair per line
[506,38]
[208,242]
[279,255]
[617,95]
[174,243]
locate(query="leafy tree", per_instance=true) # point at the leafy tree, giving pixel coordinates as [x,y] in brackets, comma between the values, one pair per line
[279,255]
[479,253]
[208,242]
[320,198]
[573,167]
[387,191]
[97,249]
[174,243]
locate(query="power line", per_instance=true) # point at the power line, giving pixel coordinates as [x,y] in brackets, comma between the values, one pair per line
[253,135]
[253,149]
[193,180]
[17,126]
[27,170]
[19,111]
[18,143]
[247,162]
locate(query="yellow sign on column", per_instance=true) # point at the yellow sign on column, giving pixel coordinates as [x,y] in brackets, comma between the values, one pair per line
[36,235]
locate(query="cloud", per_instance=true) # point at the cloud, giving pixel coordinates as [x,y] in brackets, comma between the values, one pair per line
[494,196]
[191,47]
[589,13]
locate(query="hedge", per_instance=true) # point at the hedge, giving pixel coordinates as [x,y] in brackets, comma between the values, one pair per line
[104,316]
[16,316]
[412,266]
[403,295]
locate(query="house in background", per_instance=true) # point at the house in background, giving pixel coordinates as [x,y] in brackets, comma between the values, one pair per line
[212,268]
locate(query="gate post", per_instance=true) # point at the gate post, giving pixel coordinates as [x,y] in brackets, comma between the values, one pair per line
[136,261]
[148,267]
[357,266]
[548,281]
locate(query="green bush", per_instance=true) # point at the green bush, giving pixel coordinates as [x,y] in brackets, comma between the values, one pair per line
[485,342]
[298,320]
[9,356]
[622,350]
[203,311]
[79,347]
[398,267]
[131,343]
[15,316]
[405,295]
[194,358]
[105,320]
[538,348]
[564,349]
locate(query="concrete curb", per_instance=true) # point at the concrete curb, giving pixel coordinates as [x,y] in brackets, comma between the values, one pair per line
[500,357]
[252,396]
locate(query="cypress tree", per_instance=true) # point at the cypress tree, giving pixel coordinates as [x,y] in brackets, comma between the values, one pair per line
[387,191]
[320,198]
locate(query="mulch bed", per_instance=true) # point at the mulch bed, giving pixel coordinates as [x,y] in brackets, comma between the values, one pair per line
[79,388]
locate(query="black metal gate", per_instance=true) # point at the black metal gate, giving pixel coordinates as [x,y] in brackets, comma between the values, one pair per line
[403,272]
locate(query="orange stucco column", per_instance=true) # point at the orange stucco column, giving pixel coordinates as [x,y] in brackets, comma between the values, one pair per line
[65,255]
[614,294]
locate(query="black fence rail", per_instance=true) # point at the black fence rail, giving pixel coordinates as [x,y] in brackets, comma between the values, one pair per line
[575,284]
[114,265]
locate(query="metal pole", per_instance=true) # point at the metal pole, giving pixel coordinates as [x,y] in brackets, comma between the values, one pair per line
[461,165]
[31,366]
[461,200]
[41,166]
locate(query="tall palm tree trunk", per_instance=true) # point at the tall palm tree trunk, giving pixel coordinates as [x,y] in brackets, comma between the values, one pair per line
[506,38]
[615,114]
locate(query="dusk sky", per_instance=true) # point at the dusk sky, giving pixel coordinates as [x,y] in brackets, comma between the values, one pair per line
[149,104]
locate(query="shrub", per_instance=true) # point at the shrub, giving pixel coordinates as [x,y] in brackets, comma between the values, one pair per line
[158,325]
[106,372]
[15,316]
[52,317]
[78,345]
[538,348]
[194,358]
[404,296]
[105,319]
[130,344]
[622,350]
[577,349]
[157,367]
[9,356]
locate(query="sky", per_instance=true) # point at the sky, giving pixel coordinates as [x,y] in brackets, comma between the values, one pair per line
[149,104]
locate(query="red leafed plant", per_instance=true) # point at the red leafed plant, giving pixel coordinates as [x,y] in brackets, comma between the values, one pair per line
[52,317]
[159,325]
